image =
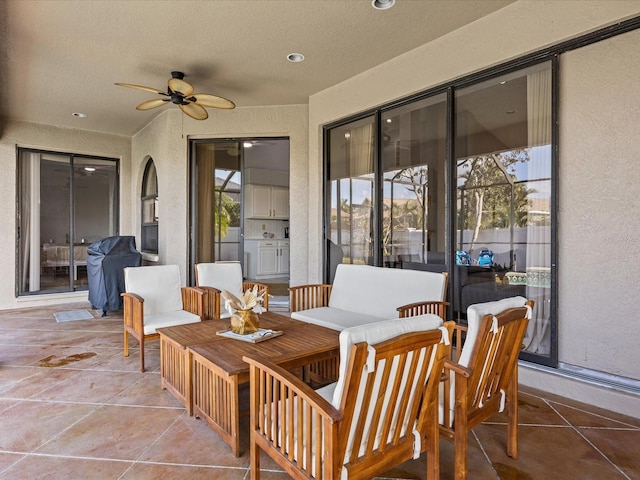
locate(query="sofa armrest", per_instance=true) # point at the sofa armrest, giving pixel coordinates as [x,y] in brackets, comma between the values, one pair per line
[212,303]
[421,308]
[193,300]
[263,289]
[304,297]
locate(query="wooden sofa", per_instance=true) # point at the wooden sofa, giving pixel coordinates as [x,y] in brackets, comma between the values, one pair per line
[362,294]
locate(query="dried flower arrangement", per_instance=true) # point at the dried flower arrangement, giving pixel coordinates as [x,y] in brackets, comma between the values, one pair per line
[243,318]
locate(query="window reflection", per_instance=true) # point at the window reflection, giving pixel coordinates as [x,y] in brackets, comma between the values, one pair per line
[413,158]
[351,192]
[503,237]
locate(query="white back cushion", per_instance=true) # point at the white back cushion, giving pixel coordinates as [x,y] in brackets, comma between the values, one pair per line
[379,291]
[475,313]
[159,286]
[374,333]
[221,275]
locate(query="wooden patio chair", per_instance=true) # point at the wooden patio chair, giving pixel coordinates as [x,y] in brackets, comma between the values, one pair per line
[213,278]
[483,381]
[154,298]
[381,412]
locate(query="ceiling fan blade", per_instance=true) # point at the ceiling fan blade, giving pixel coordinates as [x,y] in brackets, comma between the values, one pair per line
[179,85]
[149,104]
[140,87]
[213,101]
[194,111]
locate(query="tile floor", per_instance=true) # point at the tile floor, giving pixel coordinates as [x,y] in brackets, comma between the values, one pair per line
[72,407]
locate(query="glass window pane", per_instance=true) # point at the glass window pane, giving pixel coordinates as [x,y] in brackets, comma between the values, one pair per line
[503,155]
[351,191]
[413,158]
[150,209]
[219,201]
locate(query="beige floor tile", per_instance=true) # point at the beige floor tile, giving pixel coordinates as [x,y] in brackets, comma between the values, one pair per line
[35,467]
[88,387]
[113,432]
[8,459]
[549,453]
[620,446]
[192,441]
[28,425]
[25,382]
[141,471]
[146,391]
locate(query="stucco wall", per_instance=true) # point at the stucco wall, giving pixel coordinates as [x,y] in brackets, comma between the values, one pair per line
[166,141]
[598,184]
[599,225]
[52,138]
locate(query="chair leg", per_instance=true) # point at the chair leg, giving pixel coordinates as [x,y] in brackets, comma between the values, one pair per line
[460,454]
[142,353]
[126,343]
[255,460]
[433,449]
[512,416]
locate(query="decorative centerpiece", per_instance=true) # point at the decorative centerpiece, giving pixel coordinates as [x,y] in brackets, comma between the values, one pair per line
[244,319]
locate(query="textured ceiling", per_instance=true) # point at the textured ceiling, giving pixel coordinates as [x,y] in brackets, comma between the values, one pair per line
[59,57]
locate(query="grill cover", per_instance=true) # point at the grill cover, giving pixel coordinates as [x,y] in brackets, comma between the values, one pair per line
[106,260]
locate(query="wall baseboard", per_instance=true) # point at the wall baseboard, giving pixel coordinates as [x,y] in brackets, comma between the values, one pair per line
[611,392]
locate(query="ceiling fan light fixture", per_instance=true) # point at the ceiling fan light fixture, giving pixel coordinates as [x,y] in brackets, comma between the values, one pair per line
[295,57]
[383,4]
[180,92]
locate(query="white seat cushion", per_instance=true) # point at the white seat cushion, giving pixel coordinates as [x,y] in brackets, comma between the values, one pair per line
[334,318]
[168,319]
[378,291]
[158,285]
[221,275]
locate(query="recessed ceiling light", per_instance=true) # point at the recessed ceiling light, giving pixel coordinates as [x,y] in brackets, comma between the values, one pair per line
[295,57]
[247,144]
[79,115]
[510,112]
[389,120]
[503,82]
[90,169]
[347,135]
[383,4]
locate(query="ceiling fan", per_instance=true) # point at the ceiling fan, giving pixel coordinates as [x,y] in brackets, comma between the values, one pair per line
[181,93]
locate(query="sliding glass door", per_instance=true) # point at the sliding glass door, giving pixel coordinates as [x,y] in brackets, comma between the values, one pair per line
[461,180]
[66,202]
[414,151]
[218,201]
[504,190]
[352,194]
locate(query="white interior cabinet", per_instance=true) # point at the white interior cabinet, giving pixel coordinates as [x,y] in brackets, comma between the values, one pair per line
[267,258]
[283,257]
[265,201]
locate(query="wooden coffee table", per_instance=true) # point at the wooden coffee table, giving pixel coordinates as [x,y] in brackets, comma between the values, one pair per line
[175,358]
[211,383]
